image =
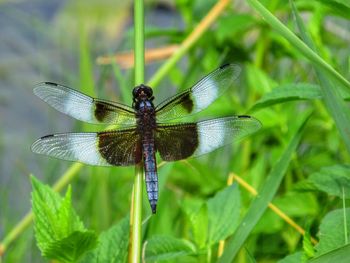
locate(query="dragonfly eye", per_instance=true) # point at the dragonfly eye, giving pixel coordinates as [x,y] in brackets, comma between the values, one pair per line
[135,92]
[142,91]
[148,91]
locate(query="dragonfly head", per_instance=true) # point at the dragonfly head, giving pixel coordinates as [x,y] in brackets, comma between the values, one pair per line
[142,92]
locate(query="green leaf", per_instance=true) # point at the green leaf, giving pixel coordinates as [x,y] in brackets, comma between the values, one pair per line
[59,232]
[167,247]
[261,202]
[333,231]
[298,204]
[288,92]
[332,180]
[337,255]
[223,214]
[197,213]
[72,247]
[293,258]
[113,244]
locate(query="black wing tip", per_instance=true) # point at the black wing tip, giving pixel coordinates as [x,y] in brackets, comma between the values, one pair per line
[228,65]
[47,136]
[50,83]
[225,65]
[35,144]
[46,83]
[258,123]
[40,86]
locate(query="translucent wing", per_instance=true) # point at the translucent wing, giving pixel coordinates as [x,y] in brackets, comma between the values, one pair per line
[83,107]
[180,141]
[119,148]
[200,96]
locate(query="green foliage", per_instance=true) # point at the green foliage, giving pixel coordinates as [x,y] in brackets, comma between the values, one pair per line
[259,205]
[223,211]
[338,255]
[332,97]
[294,57]
[59,232]
[308,248]
[293,258]
[160,248]
[333,232]
[208,224]
[288,92]
[333,180]
[112,246]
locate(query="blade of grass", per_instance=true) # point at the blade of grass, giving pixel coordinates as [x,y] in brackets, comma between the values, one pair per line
[206,22]
[331,96]
[296,42]
[346,233]
[260,203]
[136,207]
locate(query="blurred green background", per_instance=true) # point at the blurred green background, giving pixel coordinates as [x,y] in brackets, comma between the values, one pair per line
[59,41]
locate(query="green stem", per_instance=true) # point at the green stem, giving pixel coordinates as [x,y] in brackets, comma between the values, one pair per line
[136,216]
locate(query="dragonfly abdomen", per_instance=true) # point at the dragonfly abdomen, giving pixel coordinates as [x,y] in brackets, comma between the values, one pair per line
[150,166]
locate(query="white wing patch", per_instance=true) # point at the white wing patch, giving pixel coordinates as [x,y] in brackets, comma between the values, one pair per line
[72,147]
[209,95]
[215,133]
[76,104]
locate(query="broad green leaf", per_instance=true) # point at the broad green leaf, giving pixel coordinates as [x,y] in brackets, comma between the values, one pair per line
[292,258]
[297,204]
[113,244]
[197,213]
[288,92]
[265,196]
[223,214]
[333,231]
[167,247]
[59,232]
[338,255]
[72,247]
[332,180]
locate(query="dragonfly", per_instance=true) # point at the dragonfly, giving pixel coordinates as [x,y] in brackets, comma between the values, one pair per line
[144,129]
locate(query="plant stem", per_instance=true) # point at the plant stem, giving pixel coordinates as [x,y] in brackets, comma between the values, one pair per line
[136,207]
